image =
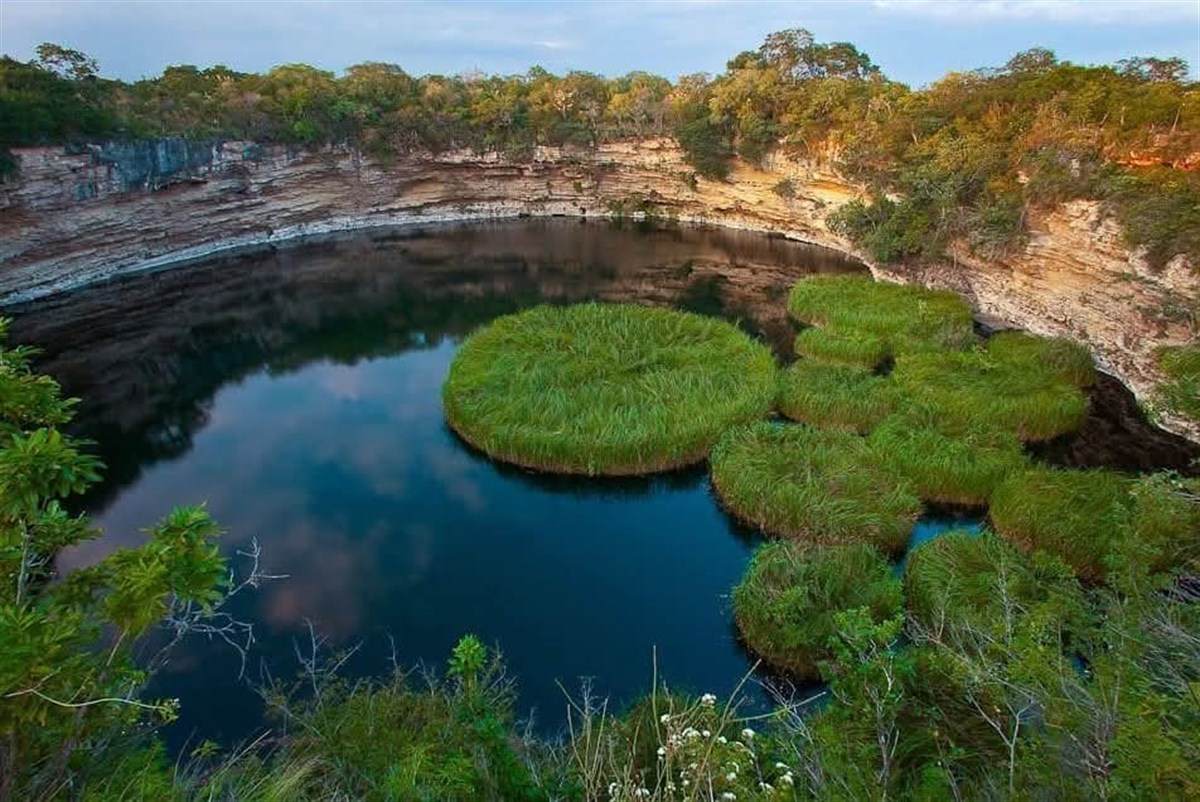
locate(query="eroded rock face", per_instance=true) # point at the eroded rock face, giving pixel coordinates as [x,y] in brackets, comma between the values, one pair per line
[76,217]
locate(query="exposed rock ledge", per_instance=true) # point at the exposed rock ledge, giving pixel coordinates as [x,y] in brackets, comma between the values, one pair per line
[75,218]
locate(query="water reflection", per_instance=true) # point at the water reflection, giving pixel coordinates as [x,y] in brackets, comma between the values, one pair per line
[297,393]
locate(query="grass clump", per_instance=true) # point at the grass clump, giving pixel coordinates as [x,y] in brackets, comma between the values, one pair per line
[1089,518]
[832,395]
[1181,393]
[818,485]
[848,346]
[905,317]
[1076,515]
[975,582]
[945,469]
[604,388]
[1166,518]
[786,603]
[1065,358]
[967,390]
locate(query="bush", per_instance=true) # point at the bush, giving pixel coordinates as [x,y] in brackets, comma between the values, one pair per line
[706,145]
[786,603]
[813,484]
[833,396]
[905,317]
[846,345]
[952,470]
[605,389]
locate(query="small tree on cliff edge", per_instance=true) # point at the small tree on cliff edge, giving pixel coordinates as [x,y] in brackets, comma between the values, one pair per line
[69,685]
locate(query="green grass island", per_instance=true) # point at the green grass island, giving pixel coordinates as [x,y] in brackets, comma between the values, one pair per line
[605,389]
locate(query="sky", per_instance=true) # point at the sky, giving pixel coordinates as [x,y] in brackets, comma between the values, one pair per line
[915,41]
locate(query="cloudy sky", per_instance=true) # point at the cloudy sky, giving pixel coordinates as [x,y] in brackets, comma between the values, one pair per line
[914,40]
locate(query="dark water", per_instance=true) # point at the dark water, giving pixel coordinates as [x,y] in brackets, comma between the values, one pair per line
[296,393]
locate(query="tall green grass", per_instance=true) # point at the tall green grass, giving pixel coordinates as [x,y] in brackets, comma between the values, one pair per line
[817,485]
[845,345]
[605,389]
[1076,515]
[968,390]
[1181,392]
[833,395]
[906,317]
[1087,518]
[940,468]
[980,582]
[1059,356]
[785,604]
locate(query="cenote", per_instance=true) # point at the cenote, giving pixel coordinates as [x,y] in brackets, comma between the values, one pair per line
[296,392]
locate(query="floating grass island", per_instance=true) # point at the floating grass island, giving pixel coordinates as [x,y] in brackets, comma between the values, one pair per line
[605,389]
[816,485]
[949,470]
[785,605]
[834,395]
[977,580]
[846,346]
[856,309]
[967,390]
[1087,518]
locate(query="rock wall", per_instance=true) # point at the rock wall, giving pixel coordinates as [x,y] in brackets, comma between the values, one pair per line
[75,217]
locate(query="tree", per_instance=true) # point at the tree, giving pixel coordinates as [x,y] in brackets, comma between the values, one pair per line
[65,62]
[68,679]
[1154,69]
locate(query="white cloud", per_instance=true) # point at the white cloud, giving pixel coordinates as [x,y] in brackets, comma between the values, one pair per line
[1102,12]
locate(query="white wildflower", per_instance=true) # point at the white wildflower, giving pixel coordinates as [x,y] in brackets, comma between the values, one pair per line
[729,796]
[747,734]
[731,776]
[664,718]
[721,739]
[708,700]
[706,733]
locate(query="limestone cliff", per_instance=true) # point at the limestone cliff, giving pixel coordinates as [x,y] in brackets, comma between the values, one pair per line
[73,217]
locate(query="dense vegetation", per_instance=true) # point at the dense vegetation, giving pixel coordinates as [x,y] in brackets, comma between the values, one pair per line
[1057,659]
[968,159]
[817,485]
[605,389]
[786,605]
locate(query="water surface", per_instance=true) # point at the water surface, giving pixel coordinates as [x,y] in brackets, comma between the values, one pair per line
[296,393]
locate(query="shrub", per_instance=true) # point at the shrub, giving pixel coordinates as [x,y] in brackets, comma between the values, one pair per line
[905,317]
[833,396]
[846,345]
[813,484]
[1181,393]
[605,389]
[964,391]
[786,603]
[453,739]
[951,470]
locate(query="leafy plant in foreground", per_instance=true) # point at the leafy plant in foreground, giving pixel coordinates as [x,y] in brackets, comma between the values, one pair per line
[69,684]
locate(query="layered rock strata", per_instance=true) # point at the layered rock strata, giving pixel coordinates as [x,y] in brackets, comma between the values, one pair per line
[73,217]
